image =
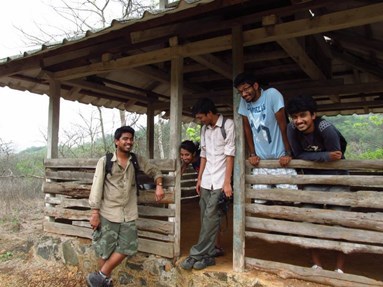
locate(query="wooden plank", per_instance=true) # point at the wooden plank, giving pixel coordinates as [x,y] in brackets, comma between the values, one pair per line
[157,236]
[74,189]
[361,220]
[304,242]
[148,196]
[155,211]
[71,214]
[164,249]
[82,176]
[76,163]
[339,164]
[319,276]
[354,180]
[159,226]
[81,223]
[67,229]
[64,202]
[314,230]
[86,163]
[366,199]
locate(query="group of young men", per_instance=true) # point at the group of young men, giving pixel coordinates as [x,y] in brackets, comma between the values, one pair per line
[268,135]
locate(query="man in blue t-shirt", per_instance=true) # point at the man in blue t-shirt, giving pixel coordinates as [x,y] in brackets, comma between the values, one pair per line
[264,122]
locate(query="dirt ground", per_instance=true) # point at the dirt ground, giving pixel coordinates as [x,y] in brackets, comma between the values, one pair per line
[17,268]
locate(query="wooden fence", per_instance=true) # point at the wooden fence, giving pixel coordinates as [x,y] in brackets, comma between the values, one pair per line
[67,188]
[356,230]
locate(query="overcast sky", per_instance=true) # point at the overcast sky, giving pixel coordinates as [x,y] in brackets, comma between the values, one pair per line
[23,116]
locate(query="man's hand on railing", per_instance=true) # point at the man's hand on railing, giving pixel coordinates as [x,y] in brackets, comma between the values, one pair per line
[335,155]
[254,159]
[285,160]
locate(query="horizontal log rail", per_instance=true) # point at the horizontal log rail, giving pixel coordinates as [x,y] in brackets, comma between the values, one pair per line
[314,230]
[366,199]
[357,180]
[289,217]
[166,165]
[369,221]
[341,164]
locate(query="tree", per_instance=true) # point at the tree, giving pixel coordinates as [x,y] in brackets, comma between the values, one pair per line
[78,17]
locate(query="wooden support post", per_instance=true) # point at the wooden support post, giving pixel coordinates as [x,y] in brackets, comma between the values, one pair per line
[176,97]
[150,130]
[239,162]
[53,118]
[53,129]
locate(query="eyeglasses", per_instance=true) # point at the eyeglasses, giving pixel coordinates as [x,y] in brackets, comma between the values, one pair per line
[246,89]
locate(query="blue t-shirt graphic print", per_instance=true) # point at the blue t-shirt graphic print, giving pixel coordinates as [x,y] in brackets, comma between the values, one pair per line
[267,135]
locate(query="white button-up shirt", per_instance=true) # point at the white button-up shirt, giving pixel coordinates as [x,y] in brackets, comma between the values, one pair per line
[215,149]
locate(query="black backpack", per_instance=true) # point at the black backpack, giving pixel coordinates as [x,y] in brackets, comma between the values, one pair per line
[343,142]
[133,159]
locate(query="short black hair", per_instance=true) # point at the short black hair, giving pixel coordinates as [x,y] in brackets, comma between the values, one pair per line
[204,106]
[124,129]
[245,78]
[189,146]
[301,103]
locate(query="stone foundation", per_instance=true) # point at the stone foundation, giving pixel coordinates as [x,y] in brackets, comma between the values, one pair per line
[140,270]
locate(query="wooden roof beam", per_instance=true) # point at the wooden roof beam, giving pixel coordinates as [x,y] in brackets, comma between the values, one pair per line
[294,50]
[358,63]
[329,22]
[214,63]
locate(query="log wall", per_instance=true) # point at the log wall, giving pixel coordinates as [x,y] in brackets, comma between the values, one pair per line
[67,188]
[285,218]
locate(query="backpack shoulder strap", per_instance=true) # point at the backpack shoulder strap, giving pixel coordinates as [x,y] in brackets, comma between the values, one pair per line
[343,142]
[223,131]
[133,159]
[108,163]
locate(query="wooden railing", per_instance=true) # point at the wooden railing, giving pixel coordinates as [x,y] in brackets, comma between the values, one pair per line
[67,188]
[358,229]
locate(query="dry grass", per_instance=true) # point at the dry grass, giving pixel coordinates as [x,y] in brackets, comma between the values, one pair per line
[20,196]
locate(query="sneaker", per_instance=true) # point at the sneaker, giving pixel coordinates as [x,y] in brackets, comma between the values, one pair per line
[339,270]
[218,251]
[188,263]
[95,279]
[316,267]
[205,262]
[109,282]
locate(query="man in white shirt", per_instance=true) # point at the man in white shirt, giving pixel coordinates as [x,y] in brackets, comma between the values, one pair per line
[214,177]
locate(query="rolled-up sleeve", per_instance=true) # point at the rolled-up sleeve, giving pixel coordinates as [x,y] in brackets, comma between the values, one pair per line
[97,185]
[230,138]
[149,168]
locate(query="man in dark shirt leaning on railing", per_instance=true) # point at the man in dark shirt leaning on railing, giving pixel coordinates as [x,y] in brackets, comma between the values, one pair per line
[315,139]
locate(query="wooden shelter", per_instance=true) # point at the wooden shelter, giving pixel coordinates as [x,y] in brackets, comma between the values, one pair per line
[331,50]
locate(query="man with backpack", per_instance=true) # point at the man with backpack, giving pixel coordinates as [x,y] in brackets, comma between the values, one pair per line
[315,139]
[113,200]
[214,177]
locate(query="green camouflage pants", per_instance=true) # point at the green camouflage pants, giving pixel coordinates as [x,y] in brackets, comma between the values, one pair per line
[113,237]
